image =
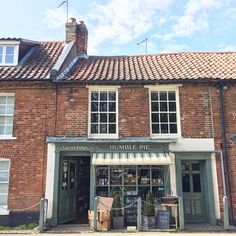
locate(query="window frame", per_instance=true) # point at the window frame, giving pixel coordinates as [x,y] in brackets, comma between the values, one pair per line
[103,89]
[171,88]
[9,136]
[5,44]
[4,208]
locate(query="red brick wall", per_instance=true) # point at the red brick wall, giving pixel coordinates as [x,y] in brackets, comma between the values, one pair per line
[38,114]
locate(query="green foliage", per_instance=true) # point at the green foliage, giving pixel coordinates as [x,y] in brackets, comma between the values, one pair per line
[19,227]
[117,204]
[148,206]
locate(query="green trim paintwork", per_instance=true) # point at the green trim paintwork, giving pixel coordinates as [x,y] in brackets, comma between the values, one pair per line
[208,182]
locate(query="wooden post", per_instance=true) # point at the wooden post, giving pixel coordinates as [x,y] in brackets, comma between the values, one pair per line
[226,213]
[95,208]
[41,215]
[181,213]
[139,214]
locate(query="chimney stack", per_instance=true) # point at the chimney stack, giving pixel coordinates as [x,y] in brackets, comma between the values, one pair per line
[78,33]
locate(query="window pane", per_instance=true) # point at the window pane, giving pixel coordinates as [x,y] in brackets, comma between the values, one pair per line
[164,117]
[116,176]
[112,96]
[103,96]
[172,106]
[155,117]
[94,129]
[103,106]
[103,128]
[144,176]
[9,50]
[10,100]
[154,96]
[72,175]
[163,96]
[8,129]
[185,165]
[112,106]
[3,176]
[163,106]
[155,106]
[94,117]
[9,120]
[2,120]
[171,95]
[2,109]
[103,117]
[173,128]
[3,188]
[195,166]
[164,128]
[94,96]
[155,129]
[3,200]
[112,129]
[94,106]
[9,59]
[0,58]
[10,109]
[2,129]
[172,117]
[112,117]
[196,183]
[130,176]
[1,50]
[4,165]
[3,100]
[185,183]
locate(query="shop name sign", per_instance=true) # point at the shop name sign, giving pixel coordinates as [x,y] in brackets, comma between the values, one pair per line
[74,148]
[128,147]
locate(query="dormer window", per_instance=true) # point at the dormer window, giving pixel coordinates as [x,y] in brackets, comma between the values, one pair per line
[8,55]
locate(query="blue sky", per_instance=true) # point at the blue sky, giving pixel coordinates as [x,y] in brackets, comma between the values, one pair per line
[116,26]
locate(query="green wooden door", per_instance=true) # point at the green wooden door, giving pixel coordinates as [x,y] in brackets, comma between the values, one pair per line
[68,191]
[193,191]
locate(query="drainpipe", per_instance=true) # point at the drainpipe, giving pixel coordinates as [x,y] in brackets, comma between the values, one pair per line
[221,87]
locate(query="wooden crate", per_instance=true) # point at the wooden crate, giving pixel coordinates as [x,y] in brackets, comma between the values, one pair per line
[103,220]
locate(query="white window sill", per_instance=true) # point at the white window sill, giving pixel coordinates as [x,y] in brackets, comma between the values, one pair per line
[4,137]
[103,137]
[168,136]
[4,212]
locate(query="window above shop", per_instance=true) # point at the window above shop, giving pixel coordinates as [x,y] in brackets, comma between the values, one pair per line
[164,112]
[6,115]
[9,55]
[103,115]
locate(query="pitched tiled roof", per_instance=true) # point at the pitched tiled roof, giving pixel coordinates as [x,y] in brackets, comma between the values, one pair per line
[172,66]
[37,66]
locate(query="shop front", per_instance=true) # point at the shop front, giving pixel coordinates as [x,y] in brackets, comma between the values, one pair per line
[78,170]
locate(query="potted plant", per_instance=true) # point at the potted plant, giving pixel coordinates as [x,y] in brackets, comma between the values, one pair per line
[149,218]
[117,215]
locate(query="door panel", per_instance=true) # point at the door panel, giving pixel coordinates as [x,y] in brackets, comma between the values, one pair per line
[193,191]
[68,195]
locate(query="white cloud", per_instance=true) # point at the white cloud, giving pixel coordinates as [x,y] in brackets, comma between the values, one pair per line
[231,12]
[228,48]
[174,47]
[194,18]
[122,21]
[55,18]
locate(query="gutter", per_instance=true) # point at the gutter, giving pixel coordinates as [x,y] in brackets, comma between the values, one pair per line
[221,86]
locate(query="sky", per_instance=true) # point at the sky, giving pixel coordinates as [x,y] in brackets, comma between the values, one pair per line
[117,26]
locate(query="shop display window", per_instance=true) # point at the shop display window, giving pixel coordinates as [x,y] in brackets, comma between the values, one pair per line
[132,180]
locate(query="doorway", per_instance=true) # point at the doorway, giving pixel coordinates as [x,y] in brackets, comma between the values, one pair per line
[194,191]
[74,190]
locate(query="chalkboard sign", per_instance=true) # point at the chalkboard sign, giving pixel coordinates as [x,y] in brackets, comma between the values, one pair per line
[163,219]
[131,212]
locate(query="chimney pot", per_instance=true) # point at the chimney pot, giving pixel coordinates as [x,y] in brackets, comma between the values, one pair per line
[81,22]
[72,20]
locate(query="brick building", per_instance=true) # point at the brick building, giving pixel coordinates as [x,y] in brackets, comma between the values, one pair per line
[73,126]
